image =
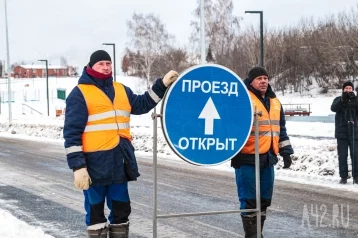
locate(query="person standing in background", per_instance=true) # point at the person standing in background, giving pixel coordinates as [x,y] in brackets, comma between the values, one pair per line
[346,131]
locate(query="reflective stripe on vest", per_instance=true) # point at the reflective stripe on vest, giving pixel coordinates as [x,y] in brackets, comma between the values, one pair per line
[269,127]
[107,121]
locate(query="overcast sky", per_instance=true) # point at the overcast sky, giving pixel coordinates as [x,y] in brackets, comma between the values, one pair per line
[75,28]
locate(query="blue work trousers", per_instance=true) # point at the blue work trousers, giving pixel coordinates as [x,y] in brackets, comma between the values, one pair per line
[118,203]
[246,187]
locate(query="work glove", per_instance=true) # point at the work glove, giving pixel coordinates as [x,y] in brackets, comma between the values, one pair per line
[82,180]
[170,77]
[287,161]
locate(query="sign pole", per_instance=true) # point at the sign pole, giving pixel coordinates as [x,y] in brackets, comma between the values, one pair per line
[257,172]
[155,174]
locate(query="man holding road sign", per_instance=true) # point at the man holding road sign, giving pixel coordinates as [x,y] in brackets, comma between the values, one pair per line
[273,140]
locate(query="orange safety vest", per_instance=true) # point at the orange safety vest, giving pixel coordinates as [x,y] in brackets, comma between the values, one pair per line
[269,127]
[107,121]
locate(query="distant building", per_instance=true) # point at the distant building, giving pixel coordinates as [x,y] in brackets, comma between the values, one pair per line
[39,71]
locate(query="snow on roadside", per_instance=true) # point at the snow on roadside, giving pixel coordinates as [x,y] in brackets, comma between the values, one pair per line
[14,228]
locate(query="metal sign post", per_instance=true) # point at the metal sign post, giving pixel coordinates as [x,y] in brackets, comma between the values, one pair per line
[257,172]
[207,117]
[155,172]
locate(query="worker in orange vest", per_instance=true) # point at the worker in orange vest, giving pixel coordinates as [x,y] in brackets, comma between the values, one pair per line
[273,140]
[98,142]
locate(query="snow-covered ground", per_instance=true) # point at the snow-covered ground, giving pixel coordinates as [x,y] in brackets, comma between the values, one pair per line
[11,227]
[315,158]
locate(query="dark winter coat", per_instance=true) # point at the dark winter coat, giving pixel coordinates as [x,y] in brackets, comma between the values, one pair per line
[104,167]
[269,158]
[344,112]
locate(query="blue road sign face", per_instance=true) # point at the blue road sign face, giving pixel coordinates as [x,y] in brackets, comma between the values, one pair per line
[207,115]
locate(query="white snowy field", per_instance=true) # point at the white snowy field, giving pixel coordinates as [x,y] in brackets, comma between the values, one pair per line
[315,158]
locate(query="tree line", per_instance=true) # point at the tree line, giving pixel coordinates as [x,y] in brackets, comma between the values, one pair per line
[324,51]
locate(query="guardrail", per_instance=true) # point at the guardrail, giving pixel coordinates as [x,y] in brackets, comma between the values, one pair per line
[323,119]
[32,110]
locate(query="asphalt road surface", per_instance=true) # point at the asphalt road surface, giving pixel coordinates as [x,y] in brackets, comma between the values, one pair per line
[36,186]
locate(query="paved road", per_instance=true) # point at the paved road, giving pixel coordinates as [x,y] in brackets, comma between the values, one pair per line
[36,186]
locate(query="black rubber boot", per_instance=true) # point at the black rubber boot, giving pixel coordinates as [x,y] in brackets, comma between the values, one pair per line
[263,218]
[250,226]
[343,181]
[119,230]
[101,233]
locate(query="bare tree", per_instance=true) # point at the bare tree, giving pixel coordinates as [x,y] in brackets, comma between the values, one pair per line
[221,28]
[125,64]
[173,58]
[324,50]
[136,62]
[148,37]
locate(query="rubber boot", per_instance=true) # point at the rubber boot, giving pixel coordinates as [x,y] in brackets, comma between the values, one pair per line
[343,181]
[119,230]
[101,233]
[263,218]
[250,226]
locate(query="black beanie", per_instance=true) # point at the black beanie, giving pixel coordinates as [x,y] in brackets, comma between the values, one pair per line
[97,56]
[256,72]
[348,83]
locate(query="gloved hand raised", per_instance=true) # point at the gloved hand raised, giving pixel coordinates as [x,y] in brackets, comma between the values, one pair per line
[347,96]
[351,95]
[287,161]
[170,77]
[82,179]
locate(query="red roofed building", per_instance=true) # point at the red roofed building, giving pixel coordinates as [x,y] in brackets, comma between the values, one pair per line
[39,71]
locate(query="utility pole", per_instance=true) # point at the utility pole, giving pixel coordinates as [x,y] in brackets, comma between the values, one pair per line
[8,65]
[48,99]
[114,59]
[202,30]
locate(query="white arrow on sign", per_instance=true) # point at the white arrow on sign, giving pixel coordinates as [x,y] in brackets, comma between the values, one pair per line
[209,113]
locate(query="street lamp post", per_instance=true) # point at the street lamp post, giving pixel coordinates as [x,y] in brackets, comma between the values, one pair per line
[48,103]
[114,58]
[8,65]
[261,34]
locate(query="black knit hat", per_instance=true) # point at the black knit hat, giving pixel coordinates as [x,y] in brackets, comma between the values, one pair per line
[97,56]
[256,72]
[348,83]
